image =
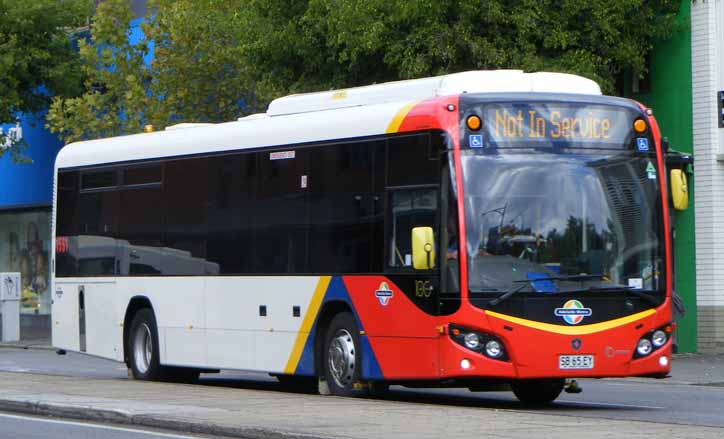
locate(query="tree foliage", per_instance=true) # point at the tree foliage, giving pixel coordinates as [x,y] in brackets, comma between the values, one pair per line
[215,60]
[36,55]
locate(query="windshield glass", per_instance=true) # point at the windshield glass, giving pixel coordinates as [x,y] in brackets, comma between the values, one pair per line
[556,215]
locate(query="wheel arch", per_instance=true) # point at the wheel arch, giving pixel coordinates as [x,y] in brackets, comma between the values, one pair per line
[134,305]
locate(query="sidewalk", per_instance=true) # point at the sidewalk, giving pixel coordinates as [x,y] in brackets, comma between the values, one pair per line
[255,414]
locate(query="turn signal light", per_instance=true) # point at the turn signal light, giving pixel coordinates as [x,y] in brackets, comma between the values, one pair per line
[474,122]
[639,126]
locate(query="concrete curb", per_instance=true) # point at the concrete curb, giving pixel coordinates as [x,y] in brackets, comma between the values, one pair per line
[121,417]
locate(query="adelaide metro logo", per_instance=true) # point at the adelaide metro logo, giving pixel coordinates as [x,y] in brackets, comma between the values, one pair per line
[573,312]
[384,294]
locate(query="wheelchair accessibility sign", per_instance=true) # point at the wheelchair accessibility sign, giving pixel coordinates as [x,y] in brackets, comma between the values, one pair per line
[475,140]
[642,143]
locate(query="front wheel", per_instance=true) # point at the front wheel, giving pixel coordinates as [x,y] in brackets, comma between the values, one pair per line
[342,360]
[537,391]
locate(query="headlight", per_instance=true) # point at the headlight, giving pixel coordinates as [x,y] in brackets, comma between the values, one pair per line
[472,341]
[478,341]
[644,347]
[493,349]
[658,338]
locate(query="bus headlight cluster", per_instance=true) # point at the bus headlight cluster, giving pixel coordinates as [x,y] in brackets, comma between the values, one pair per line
[652,341]
[480,342]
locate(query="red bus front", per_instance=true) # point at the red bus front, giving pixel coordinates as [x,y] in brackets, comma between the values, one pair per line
[556,240]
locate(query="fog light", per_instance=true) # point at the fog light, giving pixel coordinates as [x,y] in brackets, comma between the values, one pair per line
[658,338]
[472,341]
[465,363]
[663,361]
[493,349]
[644,347]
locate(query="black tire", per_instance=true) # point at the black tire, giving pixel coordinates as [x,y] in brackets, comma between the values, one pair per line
[143,359]
[342,370]
[537,392]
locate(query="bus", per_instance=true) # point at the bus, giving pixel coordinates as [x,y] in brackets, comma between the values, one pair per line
[484,230]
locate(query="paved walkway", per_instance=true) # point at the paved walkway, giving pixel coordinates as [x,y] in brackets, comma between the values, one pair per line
[263,414]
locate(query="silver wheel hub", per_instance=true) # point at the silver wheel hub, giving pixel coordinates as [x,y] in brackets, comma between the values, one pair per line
[142,348]
[341,357]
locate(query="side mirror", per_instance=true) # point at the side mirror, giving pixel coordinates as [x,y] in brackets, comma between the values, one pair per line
[423,248]
[679,189]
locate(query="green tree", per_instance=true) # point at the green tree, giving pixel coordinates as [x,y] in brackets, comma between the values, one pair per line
[215,60]
[37,59]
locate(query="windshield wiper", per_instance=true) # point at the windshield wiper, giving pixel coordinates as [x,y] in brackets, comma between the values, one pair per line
[511,291]
[613,288]
[573,277]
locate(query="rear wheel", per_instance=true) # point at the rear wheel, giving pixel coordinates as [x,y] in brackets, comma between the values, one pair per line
[537,391]
[342,360]
[143,346]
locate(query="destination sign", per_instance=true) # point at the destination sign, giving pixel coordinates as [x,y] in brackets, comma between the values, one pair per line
[518,124]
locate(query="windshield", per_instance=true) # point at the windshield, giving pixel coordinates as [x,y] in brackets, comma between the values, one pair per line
[570,219]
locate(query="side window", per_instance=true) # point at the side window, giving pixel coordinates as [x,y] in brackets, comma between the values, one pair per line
[96,224]
[280,212]
[66,264]
[414,159]
[343,208]
[409,208]
[140,226]
[185,187]
[231,199]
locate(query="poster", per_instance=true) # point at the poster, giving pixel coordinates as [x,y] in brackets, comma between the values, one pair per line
[25,248]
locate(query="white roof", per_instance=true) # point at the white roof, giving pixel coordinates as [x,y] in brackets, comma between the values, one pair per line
[302,118]
[491,81]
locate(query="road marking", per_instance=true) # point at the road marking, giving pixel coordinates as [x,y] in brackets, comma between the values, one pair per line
[611,404]
[105,427]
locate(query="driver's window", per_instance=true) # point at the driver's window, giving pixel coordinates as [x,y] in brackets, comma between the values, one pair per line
[408,208]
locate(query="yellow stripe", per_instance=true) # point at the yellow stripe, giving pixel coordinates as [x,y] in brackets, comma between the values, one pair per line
[307,323]
[396,121]
[573,330]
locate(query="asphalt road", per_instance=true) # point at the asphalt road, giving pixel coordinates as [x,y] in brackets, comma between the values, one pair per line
[30,427]
[652,401]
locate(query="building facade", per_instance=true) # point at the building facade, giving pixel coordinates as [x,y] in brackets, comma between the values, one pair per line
[26,197]
[667,90]
[707,51]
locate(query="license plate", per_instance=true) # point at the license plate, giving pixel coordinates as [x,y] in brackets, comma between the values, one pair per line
[575,362]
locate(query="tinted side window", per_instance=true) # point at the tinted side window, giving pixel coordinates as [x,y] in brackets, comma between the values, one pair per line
[140,231]
[280,213]
[185,190]
[231,190]
[414,159]
[99,179]
[65,227]
[342,208]
[94,246]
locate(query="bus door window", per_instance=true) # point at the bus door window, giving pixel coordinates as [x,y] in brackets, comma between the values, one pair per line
[409,208]
[450,241]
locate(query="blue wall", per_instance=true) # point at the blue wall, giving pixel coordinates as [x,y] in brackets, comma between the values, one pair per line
[24,184]
[32,184]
